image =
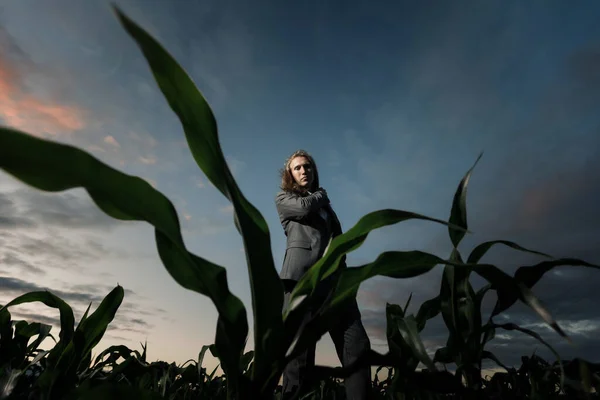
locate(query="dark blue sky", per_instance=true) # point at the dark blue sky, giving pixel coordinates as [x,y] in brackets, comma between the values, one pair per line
[394,101]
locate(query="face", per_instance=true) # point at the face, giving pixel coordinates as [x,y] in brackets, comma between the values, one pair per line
[302,171]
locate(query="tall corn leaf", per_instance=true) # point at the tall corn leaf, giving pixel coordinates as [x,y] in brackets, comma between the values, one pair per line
[54,167]
[91,329]
[456,292]
[200,130]
[458,214]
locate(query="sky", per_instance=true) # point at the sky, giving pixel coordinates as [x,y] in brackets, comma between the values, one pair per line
[395,101]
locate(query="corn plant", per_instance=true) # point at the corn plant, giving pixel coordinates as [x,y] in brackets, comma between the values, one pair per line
[278,337]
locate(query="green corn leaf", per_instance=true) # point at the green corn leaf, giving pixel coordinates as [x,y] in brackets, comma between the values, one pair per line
[458,214]
[394,264]
[349,241]
[200,130]
[91,330]
[58,381]
[407,327]
[67,320]
[428,310]
[43,331]
[479,251]
[53,167]
[456,300]
[85,315]
[246,360]
[394,339]
[507,287]
[407,303]
[201,358]
[529,276]
[400,265]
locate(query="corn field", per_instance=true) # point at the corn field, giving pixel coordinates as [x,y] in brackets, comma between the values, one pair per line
[69,370]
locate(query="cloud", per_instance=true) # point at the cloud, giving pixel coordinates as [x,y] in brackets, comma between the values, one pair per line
[198,182]
[28,112]
[13,260]
[210,225]
[15,287]
[27,208]
[150,160]
[130,317]
[228,209]
[111,141]
[235,165]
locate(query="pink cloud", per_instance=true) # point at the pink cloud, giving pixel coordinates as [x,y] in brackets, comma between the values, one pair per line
[31,114]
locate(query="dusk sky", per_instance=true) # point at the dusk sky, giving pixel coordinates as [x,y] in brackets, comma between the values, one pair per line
[395,101]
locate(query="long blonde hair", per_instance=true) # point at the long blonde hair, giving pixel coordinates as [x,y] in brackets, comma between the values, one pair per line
[288,183]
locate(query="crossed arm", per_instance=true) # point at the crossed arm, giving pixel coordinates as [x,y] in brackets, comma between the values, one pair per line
[294,207]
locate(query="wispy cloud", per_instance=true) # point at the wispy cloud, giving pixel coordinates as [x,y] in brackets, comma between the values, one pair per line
[111,141]
[27,208]
[149,160]
[29,112]
[228,209]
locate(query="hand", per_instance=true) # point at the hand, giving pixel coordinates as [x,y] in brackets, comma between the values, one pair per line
[324,192]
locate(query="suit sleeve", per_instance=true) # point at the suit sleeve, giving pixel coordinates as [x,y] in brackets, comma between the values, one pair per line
[293,207]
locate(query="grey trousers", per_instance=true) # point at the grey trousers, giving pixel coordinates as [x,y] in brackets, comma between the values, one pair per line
[351,341]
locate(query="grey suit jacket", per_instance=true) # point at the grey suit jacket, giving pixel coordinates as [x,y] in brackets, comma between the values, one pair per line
[308,234]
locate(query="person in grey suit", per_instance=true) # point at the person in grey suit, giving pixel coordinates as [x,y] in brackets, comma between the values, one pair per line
[310,224]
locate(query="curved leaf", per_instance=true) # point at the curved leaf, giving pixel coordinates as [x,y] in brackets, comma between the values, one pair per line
[407,327]
[483,248]
[91,330]
[529,276]
[394,264]
[458,214]
[428,310]
[200,129]
[67,319]
[349,241]
[55,167]
[508,288]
